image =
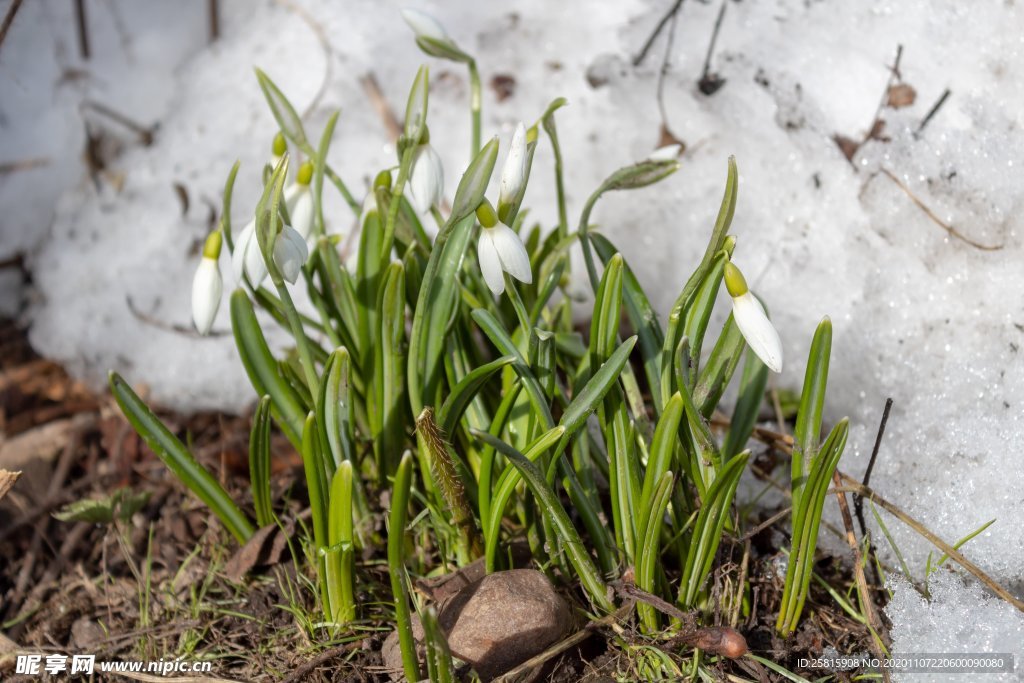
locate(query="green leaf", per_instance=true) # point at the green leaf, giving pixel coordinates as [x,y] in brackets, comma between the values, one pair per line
[416,109]
[287,118]
[397,518]
[722,363]
[649,546]
[604,325]
[812,404]
[474,182]
[707,530]
[389,369]
[120,505]
[179,460]
[590,578]
[748,404]
[340,559]
[259,463]
[466,390]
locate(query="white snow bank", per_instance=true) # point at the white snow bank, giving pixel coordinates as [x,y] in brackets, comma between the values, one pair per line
[919,314]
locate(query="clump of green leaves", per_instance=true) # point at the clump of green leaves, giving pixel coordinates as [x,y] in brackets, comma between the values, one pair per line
[411,383]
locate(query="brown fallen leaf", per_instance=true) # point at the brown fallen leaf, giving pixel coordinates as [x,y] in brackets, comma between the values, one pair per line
[846,145]
[7,479]
[901,95]
[265,549]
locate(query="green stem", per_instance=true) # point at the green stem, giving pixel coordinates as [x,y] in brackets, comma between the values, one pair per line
[517,304]
[475,101]
[396,201]
[301,341]
[588,256]
[343,189]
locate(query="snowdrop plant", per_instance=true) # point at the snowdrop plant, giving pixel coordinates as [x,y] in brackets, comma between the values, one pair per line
[207,285]
[412,393]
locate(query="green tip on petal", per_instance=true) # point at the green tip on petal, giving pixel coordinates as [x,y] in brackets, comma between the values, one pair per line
[531,134]
[280,146]
[211,249]
[486,215]
[734,281]
[305,173]
[383,180]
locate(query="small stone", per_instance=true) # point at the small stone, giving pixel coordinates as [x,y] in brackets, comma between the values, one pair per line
[496,623]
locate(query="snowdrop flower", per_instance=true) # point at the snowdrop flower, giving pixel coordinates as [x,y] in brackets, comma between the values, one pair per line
[666,153]
[424,25]
[500,251]
[299,200]
[207,285]
[426,178]
[246,259]
[750,317]
[513,173]
[290,253]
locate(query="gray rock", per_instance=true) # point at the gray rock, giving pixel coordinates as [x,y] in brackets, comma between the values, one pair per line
[496,623]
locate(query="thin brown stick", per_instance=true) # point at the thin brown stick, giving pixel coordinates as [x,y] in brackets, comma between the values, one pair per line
[22,165]
[764,525]
[213,16]
[9,19]
[938,221]
[933,111]
[376,96]
[303,670]
[83,30]
[854,486]
[145,133]
[867,604]
[638,60]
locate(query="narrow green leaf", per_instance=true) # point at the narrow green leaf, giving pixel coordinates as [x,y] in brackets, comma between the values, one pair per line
[287,118]
[396,565]
[340,559]
[752,386]
[812,404]
[466,390]
[259,463]
[179,460]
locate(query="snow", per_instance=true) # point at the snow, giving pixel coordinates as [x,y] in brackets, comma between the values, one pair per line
[919,314]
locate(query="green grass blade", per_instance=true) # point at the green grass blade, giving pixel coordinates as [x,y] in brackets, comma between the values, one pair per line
[649,549]
[340,557]
[389,370]
[179,460]
[466,390]
[753,382]
[604,325]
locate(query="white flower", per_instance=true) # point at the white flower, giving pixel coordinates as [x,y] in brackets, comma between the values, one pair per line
[246,258]
[290,253]
[299,200]
[666,153]
[750,317]
[424,25]
[513,173]
[207,286]
[426,179]
[500,250]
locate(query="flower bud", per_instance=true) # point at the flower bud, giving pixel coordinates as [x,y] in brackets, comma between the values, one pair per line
[751,319]
[207,285]
[426,178]
[290,253]
[513,173]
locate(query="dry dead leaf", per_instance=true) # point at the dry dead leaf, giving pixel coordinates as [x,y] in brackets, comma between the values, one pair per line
[901,95]
[7,479]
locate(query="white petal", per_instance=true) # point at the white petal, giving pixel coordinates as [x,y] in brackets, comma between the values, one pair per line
[666,153]
[514,259]
[426,178]
[513,173]
[255,265]
[207,287]
[424,25]
[300,209]
[761,336]
[490,264]
[241,245]
[290,253]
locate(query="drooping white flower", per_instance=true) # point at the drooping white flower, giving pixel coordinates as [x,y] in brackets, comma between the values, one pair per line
[666,153]
[513,173]
[750,317]
[207,285]
[298,198]
[246,259]
[426,178]
[500,251]
[424,25]
[290,253]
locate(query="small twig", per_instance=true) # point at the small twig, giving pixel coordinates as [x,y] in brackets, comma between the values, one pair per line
[894,77]
[307,667]
[858,502]
[710,83]
[665,63]
[213,13]
[83,32]
[9,19]
[855,486]
[764,525]
[934,110]
[145,133]
[387,115]
[638,60]
[22,165]
[938,221]
[149,678]
[186,330]
[867,603]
